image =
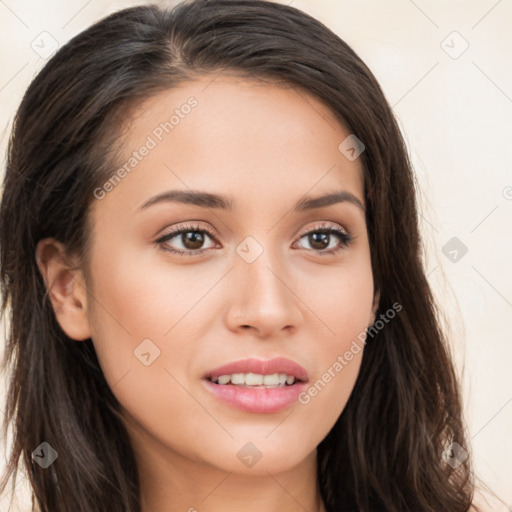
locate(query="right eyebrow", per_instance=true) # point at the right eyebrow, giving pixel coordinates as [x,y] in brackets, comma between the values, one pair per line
[203,199]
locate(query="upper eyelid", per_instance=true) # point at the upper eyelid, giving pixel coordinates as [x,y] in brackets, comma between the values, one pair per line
[185,229]
[213,233]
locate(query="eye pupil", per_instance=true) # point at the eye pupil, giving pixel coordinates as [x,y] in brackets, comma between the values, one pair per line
[192,239]
[322,238]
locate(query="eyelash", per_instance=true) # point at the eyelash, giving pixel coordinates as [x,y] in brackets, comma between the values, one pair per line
[345,239]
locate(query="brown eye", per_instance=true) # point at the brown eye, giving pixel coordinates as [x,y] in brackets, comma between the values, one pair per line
[320,239]
[190,240]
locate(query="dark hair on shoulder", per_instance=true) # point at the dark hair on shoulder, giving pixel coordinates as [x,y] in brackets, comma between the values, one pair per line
[385,450]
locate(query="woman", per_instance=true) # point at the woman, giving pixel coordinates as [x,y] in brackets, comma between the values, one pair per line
[286,353]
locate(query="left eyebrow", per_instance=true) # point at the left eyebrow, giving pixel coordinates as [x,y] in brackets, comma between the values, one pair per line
[341,196]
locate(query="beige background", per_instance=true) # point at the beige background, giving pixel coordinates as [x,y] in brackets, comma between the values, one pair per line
[455,109]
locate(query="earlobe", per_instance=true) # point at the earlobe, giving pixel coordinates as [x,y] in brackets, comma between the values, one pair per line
[66,289]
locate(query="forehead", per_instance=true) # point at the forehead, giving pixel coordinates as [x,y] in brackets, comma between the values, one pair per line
[249,140]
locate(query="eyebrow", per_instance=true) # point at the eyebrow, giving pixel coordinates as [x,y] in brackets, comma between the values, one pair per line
[209,200]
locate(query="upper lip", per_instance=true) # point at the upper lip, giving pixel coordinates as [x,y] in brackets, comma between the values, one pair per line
[261,366]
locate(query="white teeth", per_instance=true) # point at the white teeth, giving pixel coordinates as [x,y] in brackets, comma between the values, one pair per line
[224,379]
[237,378]
[255,379]
[271,380]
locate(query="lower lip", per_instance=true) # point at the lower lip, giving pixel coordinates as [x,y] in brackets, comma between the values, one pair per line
[257,400]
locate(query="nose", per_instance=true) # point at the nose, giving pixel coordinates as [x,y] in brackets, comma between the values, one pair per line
[263,297]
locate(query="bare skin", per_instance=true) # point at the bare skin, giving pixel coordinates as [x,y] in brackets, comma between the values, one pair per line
[264,147]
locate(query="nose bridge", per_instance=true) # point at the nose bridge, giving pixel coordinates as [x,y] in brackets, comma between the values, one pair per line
[258,265]
[264,298]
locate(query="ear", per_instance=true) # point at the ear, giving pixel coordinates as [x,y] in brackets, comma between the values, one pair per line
[66,288]
[375,307]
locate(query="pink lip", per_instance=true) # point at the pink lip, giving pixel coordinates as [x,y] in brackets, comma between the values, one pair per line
[269,367]
[259,400]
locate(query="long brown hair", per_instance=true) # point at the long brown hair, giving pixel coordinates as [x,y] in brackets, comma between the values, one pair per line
[385,450]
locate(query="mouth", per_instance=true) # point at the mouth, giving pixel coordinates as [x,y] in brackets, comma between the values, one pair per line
[273,373]
[258,386]
[255,380]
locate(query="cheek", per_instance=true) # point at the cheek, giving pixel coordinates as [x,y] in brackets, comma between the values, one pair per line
[341,299]
[138,296]
[344,302]
[325,398]
[139,324]
[129,309]
[145,324]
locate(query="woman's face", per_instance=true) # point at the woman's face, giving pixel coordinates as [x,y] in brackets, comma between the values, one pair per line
[257,279]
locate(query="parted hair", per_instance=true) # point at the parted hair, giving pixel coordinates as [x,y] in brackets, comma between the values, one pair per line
[384,453]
